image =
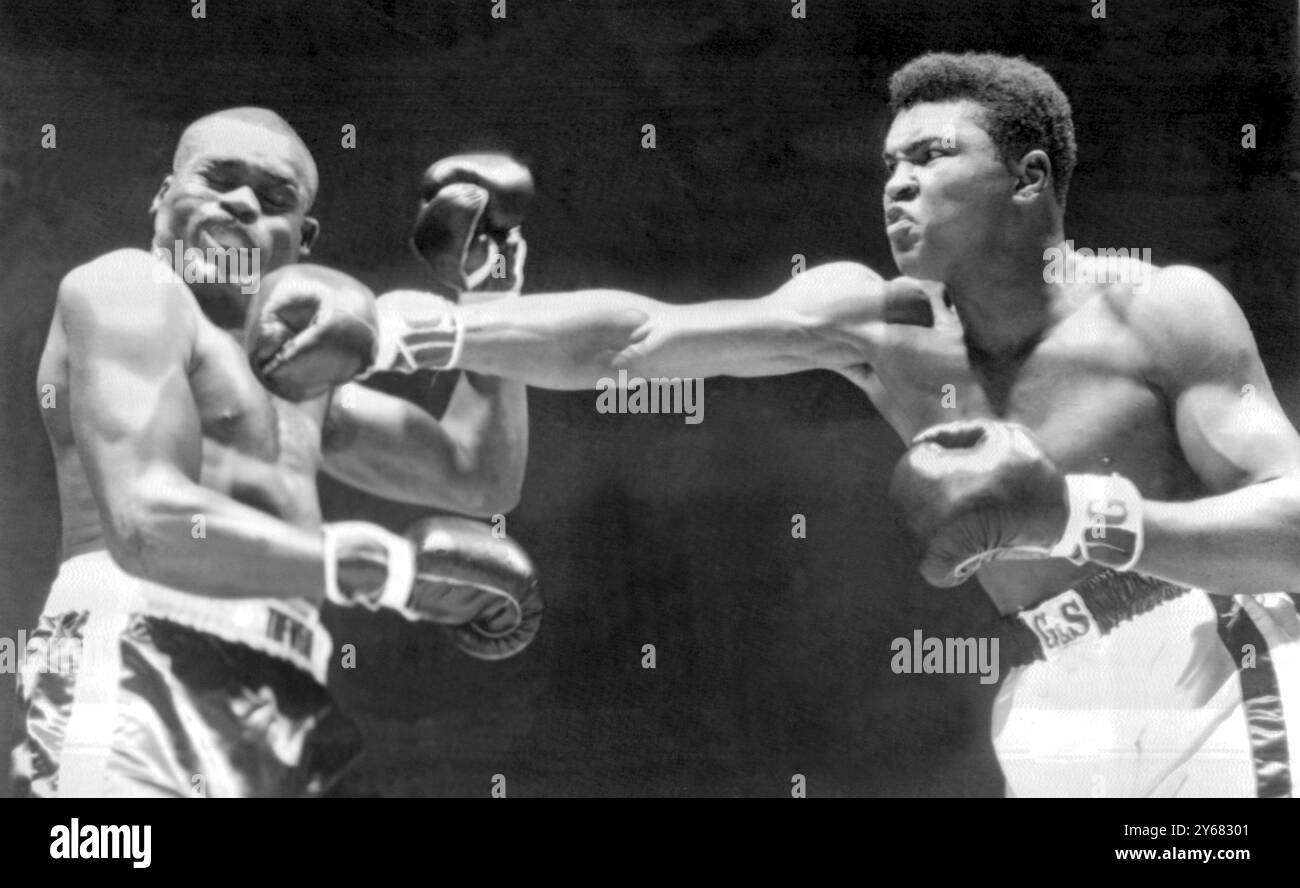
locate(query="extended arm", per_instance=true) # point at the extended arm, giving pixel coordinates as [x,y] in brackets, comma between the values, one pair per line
[829,316]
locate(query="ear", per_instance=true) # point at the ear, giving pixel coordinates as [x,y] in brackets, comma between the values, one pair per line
[1033,176]
[157,198]
[310,231]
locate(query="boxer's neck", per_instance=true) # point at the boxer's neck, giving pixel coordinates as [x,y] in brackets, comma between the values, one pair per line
[1005,305]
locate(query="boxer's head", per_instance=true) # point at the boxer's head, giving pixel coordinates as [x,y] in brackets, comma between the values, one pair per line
[242,179]
[980,150]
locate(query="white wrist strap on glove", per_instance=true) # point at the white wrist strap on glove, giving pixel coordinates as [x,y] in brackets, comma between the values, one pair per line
[1105,523]
[475,278]
[399,561]
[516,252]
[431,342]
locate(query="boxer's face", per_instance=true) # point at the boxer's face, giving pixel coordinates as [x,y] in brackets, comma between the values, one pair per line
[947,190]
[241,186]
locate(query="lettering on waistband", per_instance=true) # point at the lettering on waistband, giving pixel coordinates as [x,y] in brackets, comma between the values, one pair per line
[284,629]
[1060,622]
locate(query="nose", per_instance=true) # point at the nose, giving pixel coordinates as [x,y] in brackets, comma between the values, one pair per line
[241,204]
[901,185]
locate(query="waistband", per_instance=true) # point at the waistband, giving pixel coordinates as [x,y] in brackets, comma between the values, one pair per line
[287,629]
[1089,610]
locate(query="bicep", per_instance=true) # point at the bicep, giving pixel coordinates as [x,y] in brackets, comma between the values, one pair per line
[826,317]
[389,447]
[1229,423]
[1234,432]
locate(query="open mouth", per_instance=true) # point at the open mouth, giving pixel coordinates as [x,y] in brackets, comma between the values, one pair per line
[222,237]
[902,230]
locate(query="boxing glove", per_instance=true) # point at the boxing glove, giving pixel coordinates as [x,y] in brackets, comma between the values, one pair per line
[449,571]
[907,301]
[975,491]
[310,328]
[468,222]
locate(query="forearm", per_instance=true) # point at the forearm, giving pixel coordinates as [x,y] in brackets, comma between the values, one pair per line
[196,540]
[575,340]
[488,418]
[828,317]
[1246,541]
[555,340]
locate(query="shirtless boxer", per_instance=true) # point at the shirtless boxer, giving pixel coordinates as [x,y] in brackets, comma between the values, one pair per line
[194,558]
[1150,610]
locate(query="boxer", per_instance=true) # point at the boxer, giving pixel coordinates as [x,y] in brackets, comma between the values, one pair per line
[1122,481]
[195,561]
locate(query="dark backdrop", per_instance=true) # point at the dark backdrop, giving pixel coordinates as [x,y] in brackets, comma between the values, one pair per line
[773,653]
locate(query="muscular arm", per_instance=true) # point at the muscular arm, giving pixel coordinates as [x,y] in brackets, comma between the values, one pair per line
[1245,537]
[471,461]
[130,344]
[828,316]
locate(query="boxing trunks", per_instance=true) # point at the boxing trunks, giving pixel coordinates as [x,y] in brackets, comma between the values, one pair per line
[129,688]
[1130,686]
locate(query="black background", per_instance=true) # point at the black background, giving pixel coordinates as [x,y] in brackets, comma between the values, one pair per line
[773,653]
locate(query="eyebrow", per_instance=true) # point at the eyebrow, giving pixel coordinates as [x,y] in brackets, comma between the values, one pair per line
[276,178]
[910,147]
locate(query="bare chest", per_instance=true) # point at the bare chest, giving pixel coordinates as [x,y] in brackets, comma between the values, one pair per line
[1084,391]
[237,412]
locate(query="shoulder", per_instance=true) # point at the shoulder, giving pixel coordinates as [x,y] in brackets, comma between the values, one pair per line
[128,289]
[1188,319]
[104,271]
[1180,302]
[830,288]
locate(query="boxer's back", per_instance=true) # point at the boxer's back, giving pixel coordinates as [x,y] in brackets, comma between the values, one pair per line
[234,412]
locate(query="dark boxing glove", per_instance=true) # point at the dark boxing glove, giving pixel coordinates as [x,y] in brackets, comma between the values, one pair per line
[450,571]
[310,328]
[471,208]
[975,491]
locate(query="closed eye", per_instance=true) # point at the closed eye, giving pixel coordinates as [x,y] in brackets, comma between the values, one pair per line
[219,181]
[278,200]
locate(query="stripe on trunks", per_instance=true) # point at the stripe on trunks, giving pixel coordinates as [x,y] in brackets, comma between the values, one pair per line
[1261,698]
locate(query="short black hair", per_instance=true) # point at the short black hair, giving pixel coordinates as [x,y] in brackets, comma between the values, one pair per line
[1024,108]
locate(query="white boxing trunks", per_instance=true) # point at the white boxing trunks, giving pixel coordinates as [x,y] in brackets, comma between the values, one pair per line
[1184,697]
[133,689]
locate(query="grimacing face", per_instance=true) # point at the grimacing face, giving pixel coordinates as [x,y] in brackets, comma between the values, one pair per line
[947,190]
[240,186]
